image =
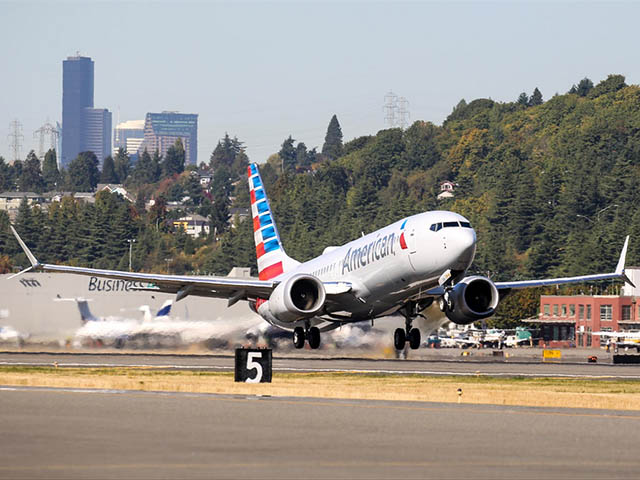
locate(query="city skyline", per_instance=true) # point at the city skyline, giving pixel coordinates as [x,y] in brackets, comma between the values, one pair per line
[263,71]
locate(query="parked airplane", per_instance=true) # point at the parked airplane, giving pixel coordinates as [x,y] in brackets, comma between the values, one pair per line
[401,268]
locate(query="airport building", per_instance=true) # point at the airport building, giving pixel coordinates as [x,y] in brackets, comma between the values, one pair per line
[161,130]
[570,320]
[128,136]
[84,128]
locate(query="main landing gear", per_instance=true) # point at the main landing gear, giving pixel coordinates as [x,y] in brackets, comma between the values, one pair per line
[410,334]
[312,335]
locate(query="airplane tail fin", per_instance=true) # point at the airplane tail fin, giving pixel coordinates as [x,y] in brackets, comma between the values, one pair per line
[165,309]
[272,259]
[85,313]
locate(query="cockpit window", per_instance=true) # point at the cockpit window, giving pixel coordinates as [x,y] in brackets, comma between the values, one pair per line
[438,226]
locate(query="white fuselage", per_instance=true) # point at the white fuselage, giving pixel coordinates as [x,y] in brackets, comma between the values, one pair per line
[397,263]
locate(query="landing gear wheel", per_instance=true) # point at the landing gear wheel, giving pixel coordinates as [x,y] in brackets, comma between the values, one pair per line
[313,337]
[399,338]
[298,337]
[442,304]
[414,338]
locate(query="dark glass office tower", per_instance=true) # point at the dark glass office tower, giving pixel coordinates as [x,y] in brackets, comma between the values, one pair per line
[77,95]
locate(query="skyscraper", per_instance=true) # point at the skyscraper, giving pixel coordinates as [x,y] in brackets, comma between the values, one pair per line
[97,132]
[77,94]
[84,128]
[161,130]
[128,136]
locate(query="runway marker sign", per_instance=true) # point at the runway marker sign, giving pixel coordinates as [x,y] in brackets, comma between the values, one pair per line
[253,365]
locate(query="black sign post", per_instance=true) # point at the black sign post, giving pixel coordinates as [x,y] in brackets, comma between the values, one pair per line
[253,365]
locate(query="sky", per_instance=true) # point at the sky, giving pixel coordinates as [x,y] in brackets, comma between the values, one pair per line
[262,71]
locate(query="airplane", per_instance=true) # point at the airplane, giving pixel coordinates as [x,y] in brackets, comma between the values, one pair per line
[416,267]
[625,340]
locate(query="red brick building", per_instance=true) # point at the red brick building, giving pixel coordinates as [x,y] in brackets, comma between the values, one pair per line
[568,321]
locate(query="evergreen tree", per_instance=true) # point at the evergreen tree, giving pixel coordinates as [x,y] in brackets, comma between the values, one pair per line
[332,147]
[108,174]
[31,178]
[301,155]
[287,154]
[173,163]
[122,165]
[50,173]
[83,173]
[144,171]
[5,176]
[536,98]
[523,99]
[584,87]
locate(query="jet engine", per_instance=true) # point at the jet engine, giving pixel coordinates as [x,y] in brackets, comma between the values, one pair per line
[298,297]
[471,299]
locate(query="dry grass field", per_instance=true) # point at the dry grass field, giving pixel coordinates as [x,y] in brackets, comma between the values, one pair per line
[605,394]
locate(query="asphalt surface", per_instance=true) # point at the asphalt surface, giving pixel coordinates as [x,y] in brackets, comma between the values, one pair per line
[445,366]
[58,433]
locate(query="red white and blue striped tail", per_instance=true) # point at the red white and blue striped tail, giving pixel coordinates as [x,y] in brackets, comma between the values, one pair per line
[272,259]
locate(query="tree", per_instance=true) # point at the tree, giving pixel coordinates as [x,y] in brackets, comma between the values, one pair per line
[287,154]
[230,152]
[6,182]
[332,147]
[122,165]
[173,163]
[536,98]
[523,99]
[50,173]
[31,177]
[83,173]
[108,171]
[613,83]
[144,170]
[584,87]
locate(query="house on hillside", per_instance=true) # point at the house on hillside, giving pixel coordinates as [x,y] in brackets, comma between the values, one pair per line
[446,190]
[194,225]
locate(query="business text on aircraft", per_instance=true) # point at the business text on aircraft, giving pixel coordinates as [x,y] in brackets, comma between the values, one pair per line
[98,285]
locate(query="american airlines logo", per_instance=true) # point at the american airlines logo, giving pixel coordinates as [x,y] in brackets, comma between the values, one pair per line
[30,282]
[363,256]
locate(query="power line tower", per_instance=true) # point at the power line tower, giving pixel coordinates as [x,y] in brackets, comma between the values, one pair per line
[15,138]
[46,130]
[390,109]
[403,113]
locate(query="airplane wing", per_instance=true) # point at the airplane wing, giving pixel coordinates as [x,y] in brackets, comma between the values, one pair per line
[182,285]
[505,287]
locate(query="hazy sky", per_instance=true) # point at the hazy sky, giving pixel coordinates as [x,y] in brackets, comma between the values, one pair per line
[263,71]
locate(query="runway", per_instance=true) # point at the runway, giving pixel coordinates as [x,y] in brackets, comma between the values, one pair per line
[58,433]
[282,364]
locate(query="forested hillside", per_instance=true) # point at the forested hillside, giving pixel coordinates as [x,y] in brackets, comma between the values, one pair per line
[551,188]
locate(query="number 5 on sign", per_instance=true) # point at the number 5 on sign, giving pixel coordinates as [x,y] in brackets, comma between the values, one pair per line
[253,365]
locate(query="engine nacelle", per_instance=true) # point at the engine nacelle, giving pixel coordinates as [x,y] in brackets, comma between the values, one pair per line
[298,297]
[471,299]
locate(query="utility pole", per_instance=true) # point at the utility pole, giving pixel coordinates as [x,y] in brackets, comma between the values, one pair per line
[390,109]
[131,242]
[15,138]
[44,130]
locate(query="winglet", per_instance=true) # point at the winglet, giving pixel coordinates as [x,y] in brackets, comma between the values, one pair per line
[621,262]
[34,261]
[27,252]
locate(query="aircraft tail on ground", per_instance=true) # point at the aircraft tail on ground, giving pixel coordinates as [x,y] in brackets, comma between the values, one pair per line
[164,311]
[272,259]
[85,313]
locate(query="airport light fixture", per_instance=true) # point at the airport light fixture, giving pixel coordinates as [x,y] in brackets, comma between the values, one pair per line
[131,241]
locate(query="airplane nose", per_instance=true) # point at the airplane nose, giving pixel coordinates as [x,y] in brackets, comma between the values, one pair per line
[465,247]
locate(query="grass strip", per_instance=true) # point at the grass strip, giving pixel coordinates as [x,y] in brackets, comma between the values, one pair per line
[543,392]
